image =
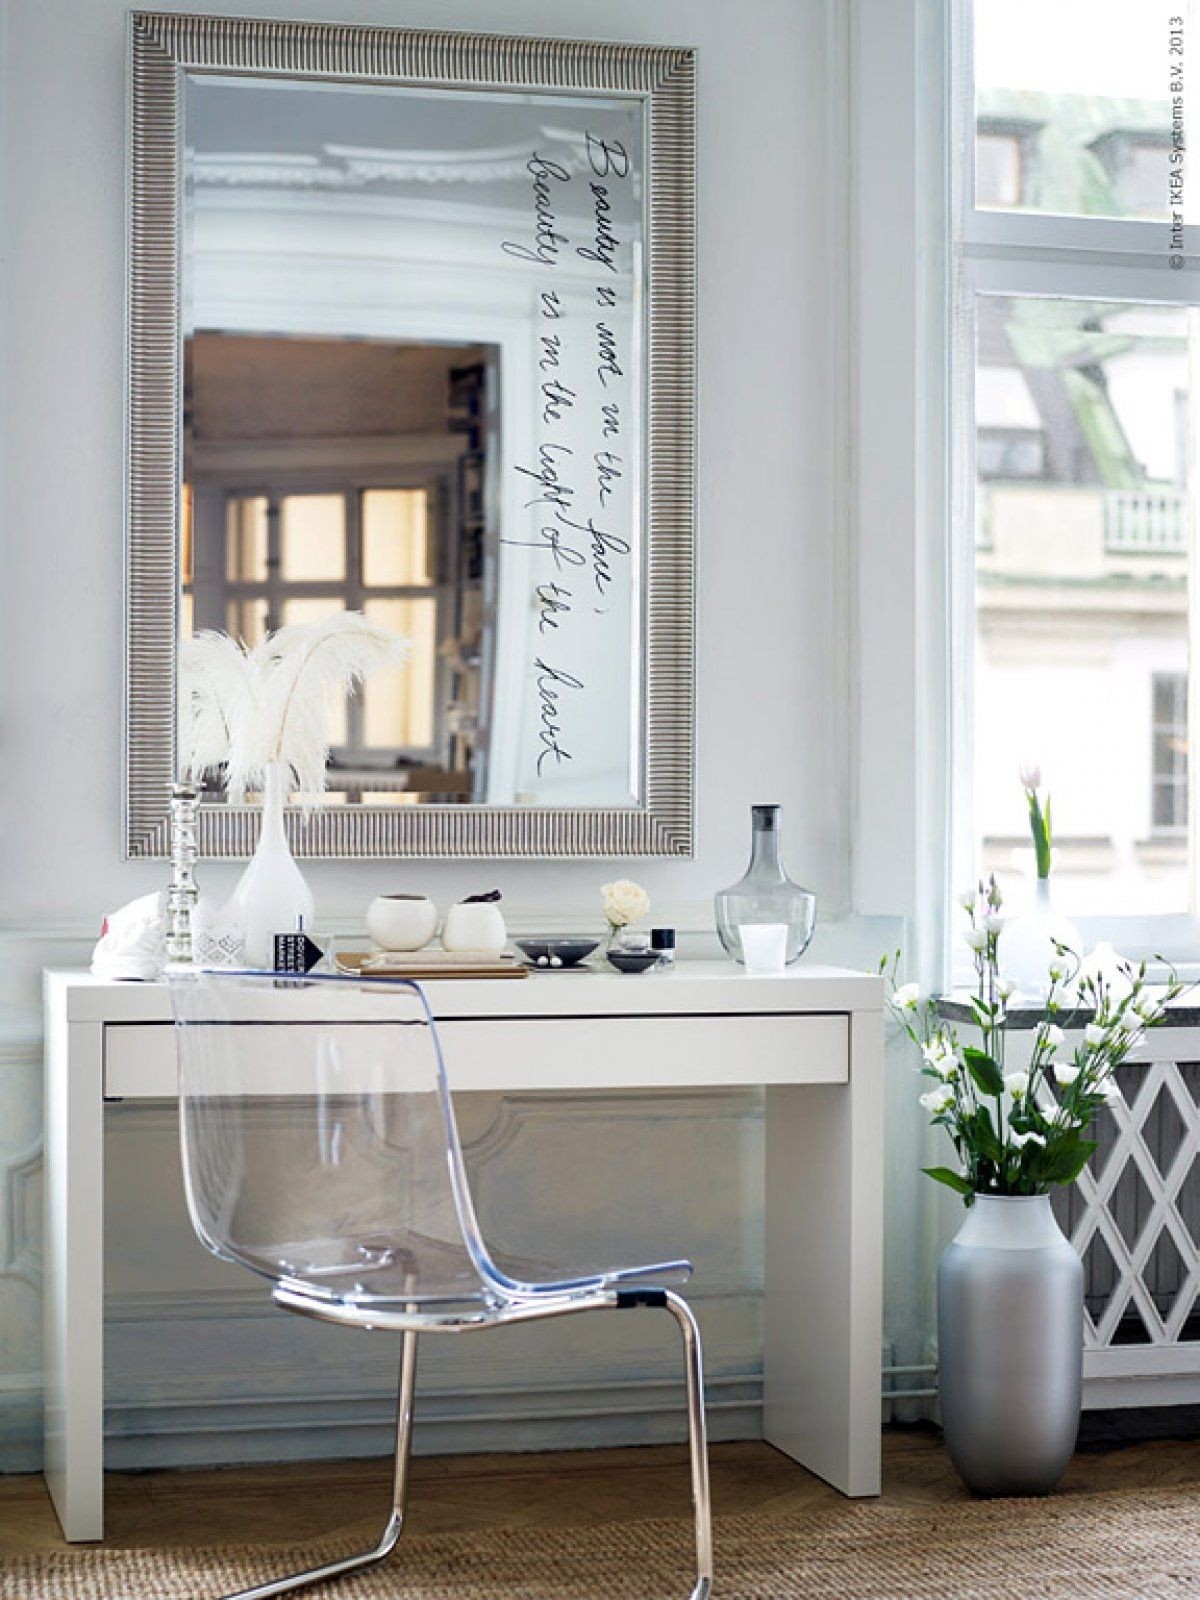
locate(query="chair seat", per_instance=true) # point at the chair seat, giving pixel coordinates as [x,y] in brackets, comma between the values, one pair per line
[431,1272]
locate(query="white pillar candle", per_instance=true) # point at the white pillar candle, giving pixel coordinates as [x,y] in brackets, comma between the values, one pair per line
[764,945]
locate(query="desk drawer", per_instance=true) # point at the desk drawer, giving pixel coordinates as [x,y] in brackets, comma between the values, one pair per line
[499,1053]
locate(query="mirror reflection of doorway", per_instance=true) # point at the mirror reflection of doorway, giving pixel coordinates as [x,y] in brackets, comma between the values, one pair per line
[334,474]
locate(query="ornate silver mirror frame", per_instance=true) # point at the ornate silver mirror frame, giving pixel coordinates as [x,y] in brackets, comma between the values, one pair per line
[164,47]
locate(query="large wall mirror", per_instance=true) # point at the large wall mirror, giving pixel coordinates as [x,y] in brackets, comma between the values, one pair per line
[411,334]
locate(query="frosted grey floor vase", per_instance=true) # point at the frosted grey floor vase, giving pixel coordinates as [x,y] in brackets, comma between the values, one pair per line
[1010,1346]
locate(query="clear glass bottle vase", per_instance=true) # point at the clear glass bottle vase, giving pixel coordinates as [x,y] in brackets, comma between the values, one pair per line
[766,895]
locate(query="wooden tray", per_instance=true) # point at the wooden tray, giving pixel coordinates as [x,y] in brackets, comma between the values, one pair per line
[420,965]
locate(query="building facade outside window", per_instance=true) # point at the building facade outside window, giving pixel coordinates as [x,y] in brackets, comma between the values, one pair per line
[1075,461]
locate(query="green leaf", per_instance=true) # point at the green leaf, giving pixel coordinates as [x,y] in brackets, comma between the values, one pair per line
[981,1137]
[987,1075]
[1063,1163]
[952,1180]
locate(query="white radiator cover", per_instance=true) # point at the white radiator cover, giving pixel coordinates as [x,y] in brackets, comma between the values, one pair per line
[1134,1216]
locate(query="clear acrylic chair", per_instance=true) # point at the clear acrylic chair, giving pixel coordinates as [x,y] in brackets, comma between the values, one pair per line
[320,1150]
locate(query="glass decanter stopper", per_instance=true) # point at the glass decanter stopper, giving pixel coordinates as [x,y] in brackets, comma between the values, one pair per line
[766,897]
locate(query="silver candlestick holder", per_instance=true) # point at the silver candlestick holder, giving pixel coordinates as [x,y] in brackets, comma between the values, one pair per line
[182,893]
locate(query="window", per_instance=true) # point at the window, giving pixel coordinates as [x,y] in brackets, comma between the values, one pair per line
[296,556]
[1170,735]
[1075,344]
[998,168]
[1072,105]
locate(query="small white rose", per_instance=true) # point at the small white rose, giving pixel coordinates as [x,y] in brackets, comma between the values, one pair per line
[1020,1140]
[993,923]
[1054,1035]
[976,938]
[907,997]
[938,1099]
[1065,1073]
[1016,1083]
[624,902]
[1094,1035]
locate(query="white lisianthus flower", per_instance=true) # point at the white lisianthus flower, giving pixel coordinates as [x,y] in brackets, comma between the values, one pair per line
[1030,775]
[907,997]
[976,938]
[1016,1083]
[993,923]
[1020,1140]
[939,1055]
[967,899]
[1054,1035]
[1065,1073]
[624,902]
[1006,988]
[938,1099]
[1094,1035]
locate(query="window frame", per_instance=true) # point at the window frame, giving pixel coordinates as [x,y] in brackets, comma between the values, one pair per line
[1010,253]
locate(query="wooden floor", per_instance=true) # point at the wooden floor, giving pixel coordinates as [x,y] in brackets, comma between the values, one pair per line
[274,1505]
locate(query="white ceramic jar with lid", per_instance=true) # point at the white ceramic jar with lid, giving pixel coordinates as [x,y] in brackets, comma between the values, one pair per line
[476,924]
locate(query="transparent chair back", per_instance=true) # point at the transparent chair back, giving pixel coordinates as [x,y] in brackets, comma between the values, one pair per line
[320,1147]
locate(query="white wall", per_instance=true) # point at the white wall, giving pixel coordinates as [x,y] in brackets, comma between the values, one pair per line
[774,687]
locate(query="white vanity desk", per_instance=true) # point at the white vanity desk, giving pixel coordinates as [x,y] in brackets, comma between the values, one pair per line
[813,1036]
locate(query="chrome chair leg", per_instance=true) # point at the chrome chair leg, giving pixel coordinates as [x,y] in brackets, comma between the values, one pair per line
[395,1522]
[697,1443]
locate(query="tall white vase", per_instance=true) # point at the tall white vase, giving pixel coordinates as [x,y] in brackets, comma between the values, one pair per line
[271,894]
[1028,944]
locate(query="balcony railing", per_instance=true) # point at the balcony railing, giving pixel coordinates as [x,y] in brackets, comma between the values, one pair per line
[1145,520]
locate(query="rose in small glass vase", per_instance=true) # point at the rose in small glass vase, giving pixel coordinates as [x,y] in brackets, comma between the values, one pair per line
[624,903]
[1010,1285]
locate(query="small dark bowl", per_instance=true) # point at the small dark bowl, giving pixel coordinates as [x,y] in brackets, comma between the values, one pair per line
[634,960]
[554,955]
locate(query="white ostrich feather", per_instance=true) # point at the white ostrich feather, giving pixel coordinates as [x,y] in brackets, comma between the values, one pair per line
[217,694]
[303,672]
[248,708]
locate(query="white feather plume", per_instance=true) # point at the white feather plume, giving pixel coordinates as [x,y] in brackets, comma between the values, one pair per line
[248,708]
[304,670]
[217,702]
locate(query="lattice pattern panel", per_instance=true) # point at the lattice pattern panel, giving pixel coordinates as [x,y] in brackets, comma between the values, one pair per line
[1134,1214]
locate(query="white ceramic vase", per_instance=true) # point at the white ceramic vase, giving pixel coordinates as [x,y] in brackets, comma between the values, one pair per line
[401,921]
[1028,942]
[271,895]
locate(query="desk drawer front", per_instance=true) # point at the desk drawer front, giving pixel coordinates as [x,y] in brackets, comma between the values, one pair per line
[503,1053]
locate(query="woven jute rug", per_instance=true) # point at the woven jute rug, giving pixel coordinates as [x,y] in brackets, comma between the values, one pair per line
[1113,1546]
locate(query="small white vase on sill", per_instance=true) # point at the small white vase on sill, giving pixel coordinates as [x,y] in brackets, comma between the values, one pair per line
[1028,944]
[271,895]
